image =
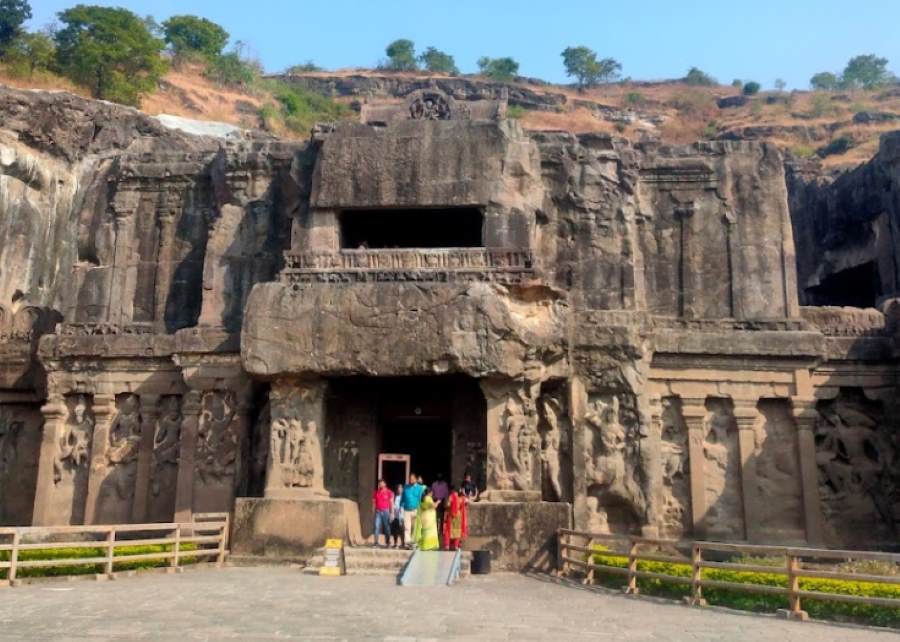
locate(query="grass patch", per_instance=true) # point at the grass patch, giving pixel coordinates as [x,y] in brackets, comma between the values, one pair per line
[819,609]
[803,151]
[515,111]
[88,551]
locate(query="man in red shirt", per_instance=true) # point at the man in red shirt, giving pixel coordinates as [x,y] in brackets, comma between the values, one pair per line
[382,502]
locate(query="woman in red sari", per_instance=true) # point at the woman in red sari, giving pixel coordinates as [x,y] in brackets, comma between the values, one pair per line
[456,520]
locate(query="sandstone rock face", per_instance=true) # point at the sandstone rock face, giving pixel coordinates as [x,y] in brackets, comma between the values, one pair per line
[600,333]
[845,228]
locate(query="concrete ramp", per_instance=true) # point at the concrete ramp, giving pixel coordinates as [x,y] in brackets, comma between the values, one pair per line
[432,568]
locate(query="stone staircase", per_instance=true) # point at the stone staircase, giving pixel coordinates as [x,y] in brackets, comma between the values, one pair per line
[365,560]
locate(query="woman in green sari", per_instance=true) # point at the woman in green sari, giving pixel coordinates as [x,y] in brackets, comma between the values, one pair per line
[426,534]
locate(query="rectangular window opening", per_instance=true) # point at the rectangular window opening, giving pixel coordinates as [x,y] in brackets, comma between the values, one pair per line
[411,228]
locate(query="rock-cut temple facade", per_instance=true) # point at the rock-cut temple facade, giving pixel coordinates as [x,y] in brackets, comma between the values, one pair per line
[604,334]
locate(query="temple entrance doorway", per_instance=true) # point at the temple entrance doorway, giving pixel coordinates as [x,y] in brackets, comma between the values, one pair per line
[439,421]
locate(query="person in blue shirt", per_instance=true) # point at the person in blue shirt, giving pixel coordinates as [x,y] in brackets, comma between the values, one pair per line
[409,502]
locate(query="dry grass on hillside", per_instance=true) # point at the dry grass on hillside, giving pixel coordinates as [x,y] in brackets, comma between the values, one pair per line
[187,92]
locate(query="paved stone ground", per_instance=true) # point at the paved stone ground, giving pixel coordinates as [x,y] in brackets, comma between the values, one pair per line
[267,603]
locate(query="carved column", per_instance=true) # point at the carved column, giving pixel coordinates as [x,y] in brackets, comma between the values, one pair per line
[694,413]
[123,278]
[684,214]
[296,468]
[190,423]
[805,416]
[513,448]
[149,418]
[104,410]
[55,414]
[746,415]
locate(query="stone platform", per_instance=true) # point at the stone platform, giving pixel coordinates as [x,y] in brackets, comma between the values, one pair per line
[291,529]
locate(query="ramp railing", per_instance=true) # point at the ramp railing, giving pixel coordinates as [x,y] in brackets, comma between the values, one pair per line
[106,547]
[750,568]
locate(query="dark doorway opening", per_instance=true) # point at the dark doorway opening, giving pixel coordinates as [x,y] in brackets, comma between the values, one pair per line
[411,228]
[415,419]
[858,287]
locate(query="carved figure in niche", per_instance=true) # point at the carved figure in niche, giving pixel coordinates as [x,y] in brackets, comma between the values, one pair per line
[430,105]
[675,472]
[724,513]
[10,431]
[856,461]
[550,444]
[166,441]
[124,444]
[73,446]
[217,445]
[296,444]
[521,440]
[610,477]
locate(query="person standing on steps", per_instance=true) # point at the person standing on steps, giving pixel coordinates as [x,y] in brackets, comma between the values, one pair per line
[398,519]
[440,492]
[409,502]
[426,533]
[382,502]
[456,521]
[468,488]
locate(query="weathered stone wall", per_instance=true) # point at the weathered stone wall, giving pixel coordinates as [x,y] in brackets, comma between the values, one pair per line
[632,323]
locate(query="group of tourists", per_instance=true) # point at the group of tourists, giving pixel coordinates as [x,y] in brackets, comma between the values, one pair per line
[424,517]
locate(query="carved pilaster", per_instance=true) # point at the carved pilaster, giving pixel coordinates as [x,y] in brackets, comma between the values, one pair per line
[805,416]
[651,438]
[149,419]
[184,490]
[55,414]
[747,416]
[513,442]
[296,466]
[578,400]
[164,276]
[694,413]
[103,408]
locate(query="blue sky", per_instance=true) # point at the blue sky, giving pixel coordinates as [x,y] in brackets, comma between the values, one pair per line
[758,39]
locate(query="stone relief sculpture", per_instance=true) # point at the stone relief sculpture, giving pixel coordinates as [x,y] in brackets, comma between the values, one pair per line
[555,455]
[166,445]
[512,463]
[124,444]
[74,444]
[430,105]
[10,431]
[777,462]
[295,448]
[724,506]
[675,510]
[858,479]
[217,445]
[619,503]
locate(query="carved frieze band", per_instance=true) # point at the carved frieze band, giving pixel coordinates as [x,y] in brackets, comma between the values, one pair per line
[439,265]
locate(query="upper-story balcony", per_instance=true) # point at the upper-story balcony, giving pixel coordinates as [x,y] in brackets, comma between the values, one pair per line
[440,265]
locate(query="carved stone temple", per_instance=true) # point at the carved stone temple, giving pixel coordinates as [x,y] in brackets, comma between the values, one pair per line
[604,334]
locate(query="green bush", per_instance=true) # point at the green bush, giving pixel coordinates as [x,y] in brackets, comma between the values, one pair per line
[515,111]
[751,88]
[635,98]
[296,109]
[699,78]
[803,151]
[87,551]
[746,601]
[232,69]
[836,146]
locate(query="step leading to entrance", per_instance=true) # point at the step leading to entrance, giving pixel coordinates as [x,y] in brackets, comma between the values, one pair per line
[363,560]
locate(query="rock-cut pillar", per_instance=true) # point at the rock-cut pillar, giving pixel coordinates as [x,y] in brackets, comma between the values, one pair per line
[295,468]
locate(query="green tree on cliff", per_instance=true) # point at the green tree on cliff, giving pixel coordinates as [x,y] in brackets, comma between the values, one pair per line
[867,71]
[194,36]
[824,81]
[33,51]
[401,55]
[13,14]
[110,51]
[500,69]
[439,62]
[581,63]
